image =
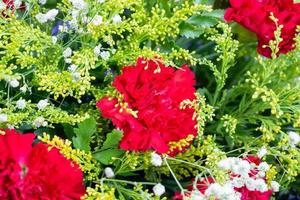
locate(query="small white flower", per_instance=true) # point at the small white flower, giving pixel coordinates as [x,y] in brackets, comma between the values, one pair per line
[263,166]
[17,3]
[97,50]
[51,14]
[68,60]
[21,104]
[224,164]
[40,17]
[261,174]
[2,6]
[117,18]
[197,195]
[39,121]
[64,28]
[101,1]
[238,182]
[275,186]
[242,168]
[14,83]
[97,20]
[261,185]
[214,189]
[250,184]
[3,117]
[262,152]
[79,4]
[67,52]
[156,159]
[54,39]
[42,2]
[72,68]
[294,138]
[159,189]
[105,55]
[109,173]
[42,104]
[24,88]
[9,126]
[76,76]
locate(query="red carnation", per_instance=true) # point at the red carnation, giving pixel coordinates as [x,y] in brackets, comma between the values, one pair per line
[155,91]
[255,16]
[34,172]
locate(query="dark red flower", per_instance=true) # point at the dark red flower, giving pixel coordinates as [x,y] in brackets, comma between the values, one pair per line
[11,5]
[255,16]
[155,91]
[35,172]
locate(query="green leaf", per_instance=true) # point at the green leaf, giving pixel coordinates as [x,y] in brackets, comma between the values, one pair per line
[113,139]
[204,21]
[105,157]
[189,30]
[84,133]
[110,148]
[218,13]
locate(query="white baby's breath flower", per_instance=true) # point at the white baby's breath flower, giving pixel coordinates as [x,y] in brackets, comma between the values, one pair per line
[17,3]
[294,138]
[51,14]
[238,182]
[54,39]
[262,152]
[225,164]
[21,104]
[72,68]
[24,88]
[2,6]
[156,159]
[197,195]
[67,52]
[3,117]
[79,4]
[97,50]
[105,55]
[263,166]
[14,83]
[117,18]
[68,60]
[241,168]
[275,186]
[260,185]
[97,20]
[109,173]
[39,121]
[159,189]
[42,2]
[261,174]
[76,76]
[250,184]
[42,104]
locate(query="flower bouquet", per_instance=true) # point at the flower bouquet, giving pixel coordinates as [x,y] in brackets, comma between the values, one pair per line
[156,99]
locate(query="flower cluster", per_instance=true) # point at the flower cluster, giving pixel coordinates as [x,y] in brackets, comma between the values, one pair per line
[153,93]
[255,16]
[247,180]
[35,172]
